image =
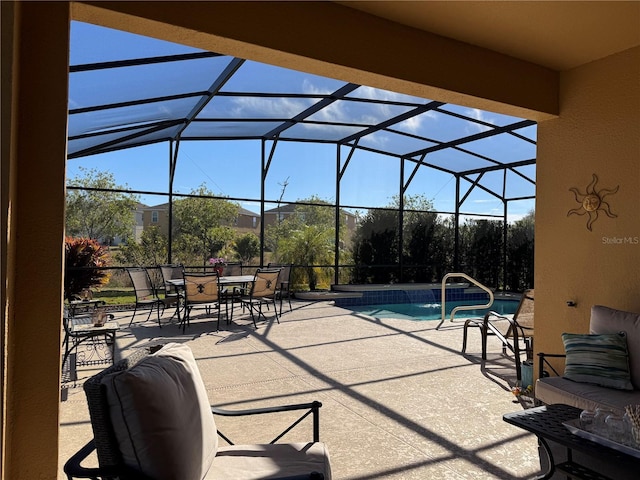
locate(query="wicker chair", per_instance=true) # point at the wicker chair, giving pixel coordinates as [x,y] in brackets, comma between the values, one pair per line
[151,419]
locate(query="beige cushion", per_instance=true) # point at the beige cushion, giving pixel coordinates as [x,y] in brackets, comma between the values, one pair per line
[609,320]
[252,462]
[584,396]
[161,416]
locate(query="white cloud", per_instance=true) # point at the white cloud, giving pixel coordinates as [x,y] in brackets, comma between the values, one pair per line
[481,115]
[275,108]
[309,88]
[413,124]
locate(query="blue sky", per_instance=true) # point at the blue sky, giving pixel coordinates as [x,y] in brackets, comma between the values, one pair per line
[231,168]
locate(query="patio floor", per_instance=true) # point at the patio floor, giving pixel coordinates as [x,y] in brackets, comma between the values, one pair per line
[399,399]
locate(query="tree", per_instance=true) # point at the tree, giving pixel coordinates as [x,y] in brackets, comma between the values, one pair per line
[102,215]
[152,249]
[377,243]
[520,253]
[427,248]
[201,225]
[319,212]
[309,245]
[247,247]
[306,237]
[481,250]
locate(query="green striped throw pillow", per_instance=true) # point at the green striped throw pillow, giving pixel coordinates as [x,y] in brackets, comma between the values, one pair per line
[598,359]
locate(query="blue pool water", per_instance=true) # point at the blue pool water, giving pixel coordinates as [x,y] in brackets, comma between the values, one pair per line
[431,311]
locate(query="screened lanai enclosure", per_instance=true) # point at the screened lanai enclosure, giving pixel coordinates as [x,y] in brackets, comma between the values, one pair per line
[350,183]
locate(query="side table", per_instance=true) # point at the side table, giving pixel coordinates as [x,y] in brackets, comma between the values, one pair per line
[80,306]
[546,423]
[100,341]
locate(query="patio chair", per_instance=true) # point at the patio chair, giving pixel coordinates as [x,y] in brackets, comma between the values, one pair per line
[202,291]
[146,296]
[283,282]
[231,295]
[172,293]
[152,420]
[232,268]
[514,332]
[262,291]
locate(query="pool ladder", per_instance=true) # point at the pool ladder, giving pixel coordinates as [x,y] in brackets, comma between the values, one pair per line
[461,307]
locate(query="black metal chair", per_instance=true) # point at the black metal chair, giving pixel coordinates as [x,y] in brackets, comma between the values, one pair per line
[146,296]
[284,282]
[173,293]
[232,268]
[262,291]
[231,295]
[510,331]
[202,291]
[175,437]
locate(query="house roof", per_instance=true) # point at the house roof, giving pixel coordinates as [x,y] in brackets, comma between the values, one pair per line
[165,206]
[287,208]
[248,213]
[161,206]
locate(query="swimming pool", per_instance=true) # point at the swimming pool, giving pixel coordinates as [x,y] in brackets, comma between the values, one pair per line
[431,311]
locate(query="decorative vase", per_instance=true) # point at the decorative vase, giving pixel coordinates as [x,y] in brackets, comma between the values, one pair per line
[219,269]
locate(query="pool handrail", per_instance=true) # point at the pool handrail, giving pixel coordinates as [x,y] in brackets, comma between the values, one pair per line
[461,307]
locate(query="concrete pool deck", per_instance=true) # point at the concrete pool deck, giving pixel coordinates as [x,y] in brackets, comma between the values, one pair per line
[399,399]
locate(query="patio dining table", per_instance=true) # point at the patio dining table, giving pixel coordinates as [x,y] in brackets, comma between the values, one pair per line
[226,280]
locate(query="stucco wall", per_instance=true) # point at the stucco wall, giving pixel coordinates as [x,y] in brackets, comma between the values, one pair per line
[598,132]
[33,210]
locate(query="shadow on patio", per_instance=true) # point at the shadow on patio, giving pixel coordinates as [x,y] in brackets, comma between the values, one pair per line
[399,399]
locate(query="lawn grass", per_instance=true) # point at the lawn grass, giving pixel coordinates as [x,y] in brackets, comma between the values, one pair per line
[116,296]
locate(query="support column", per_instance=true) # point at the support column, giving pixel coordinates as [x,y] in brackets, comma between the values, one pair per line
[34,74]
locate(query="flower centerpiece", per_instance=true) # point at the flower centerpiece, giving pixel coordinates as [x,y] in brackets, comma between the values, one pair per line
[218,264]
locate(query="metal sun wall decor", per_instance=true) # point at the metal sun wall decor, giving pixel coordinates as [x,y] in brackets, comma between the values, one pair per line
[592,202]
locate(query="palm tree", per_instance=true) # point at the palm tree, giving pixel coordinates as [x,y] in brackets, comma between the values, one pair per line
[309,245]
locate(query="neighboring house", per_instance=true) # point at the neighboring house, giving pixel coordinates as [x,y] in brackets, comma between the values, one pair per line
[158,216]
[278,214]
[247,221]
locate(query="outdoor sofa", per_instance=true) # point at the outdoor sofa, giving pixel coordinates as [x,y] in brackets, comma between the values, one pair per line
[598,373]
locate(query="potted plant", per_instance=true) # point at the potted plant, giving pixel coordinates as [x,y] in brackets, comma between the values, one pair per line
[218,264]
